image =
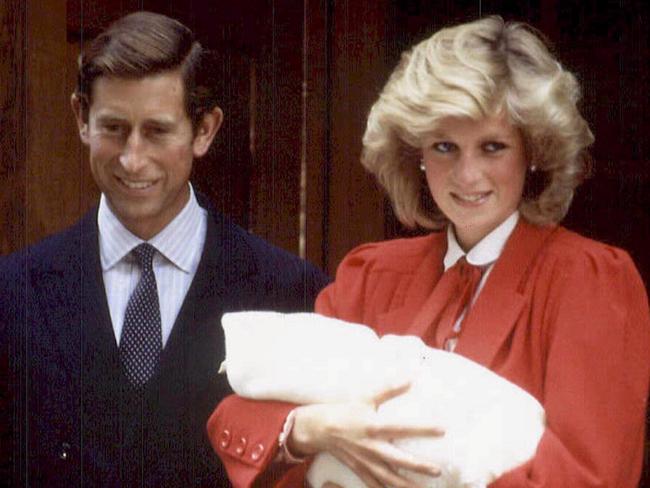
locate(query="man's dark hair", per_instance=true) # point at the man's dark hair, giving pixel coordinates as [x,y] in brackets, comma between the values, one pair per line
[143,44]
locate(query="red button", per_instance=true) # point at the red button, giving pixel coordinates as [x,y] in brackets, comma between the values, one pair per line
[257,452]
[224,439]
[241,446]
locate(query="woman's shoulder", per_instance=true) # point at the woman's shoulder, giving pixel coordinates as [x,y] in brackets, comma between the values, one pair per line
[579,261]
[370,275]
[568,246]
[401,255]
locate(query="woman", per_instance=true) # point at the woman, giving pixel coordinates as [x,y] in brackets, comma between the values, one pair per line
[477,133]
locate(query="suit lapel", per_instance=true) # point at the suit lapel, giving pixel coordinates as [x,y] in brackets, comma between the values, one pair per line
[500,303]
[412,313]
[224,264]
[72,293]
[98,336]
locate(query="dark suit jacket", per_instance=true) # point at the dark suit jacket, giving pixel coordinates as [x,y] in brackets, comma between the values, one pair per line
[72,419]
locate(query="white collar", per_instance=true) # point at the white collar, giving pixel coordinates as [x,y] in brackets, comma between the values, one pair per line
[116,241]
[487,250]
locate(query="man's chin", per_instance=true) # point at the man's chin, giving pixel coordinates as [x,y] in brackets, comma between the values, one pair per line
[137,218]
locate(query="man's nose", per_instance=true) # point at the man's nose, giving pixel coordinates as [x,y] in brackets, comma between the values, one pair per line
[133,156]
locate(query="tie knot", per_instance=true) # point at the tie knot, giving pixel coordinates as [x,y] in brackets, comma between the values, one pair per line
[467,270]
[144,254]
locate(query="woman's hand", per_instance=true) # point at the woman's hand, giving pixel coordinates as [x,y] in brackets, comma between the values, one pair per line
[353,433]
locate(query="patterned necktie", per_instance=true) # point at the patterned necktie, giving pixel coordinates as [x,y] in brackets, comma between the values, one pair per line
[141,342]
[453,293]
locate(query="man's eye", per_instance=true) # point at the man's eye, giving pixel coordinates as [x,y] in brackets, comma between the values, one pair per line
[157,131]
[443,147]
[492,147]
[112,128]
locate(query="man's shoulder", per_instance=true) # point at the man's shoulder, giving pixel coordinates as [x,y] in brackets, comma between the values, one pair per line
[54,251]
[52,264]
[273,277]
[59,248]
[263,255]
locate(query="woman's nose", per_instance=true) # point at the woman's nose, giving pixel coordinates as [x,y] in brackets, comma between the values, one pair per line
[467,169]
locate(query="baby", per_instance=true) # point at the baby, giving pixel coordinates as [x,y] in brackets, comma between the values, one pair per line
[491,425]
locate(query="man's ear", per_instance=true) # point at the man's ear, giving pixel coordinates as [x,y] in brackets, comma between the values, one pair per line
[77,109]
[206,130]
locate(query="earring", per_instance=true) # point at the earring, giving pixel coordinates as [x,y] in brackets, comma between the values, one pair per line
[422,167]
[533,168]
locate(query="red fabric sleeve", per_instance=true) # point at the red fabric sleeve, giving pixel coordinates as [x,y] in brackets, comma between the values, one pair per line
[238,421]
[597,375]
[244,433]
[356,294]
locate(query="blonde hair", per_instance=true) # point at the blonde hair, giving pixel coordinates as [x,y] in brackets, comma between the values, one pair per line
[477,70]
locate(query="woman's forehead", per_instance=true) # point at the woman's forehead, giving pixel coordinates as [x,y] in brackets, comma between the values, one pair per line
[495,125]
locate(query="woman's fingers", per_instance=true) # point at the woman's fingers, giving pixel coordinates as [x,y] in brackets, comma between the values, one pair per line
[389,393]
[358,466]
[381,430]
[390,455]
[372,471]
[379,467]
[357,435]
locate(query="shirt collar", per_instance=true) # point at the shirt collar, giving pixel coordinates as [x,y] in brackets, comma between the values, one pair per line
[116,241]
[487,250]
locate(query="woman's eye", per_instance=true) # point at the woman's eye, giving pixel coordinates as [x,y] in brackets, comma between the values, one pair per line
[492,147]
[443,147]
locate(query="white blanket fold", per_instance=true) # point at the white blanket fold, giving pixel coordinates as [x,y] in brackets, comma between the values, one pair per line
[491,425]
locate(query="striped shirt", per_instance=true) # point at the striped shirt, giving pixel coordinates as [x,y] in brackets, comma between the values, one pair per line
[179,246]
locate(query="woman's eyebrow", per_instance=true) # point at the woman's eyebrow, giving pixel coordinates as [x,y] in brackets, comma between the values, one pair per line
[497,136]
[438,134]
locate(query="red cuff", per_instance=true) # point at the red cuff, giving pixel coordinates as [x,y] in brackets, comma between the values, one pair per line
[244,434]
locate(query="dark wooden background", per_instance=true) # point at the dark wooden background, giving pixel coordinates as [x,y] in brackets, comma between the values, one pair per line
[298,79]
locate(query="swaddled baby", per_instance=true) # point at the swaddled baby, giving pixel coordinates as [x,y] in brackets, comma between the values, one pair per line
[491,425]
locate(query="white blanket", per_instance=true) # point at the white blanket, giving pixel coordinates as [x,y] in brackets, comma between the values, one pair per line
[491,425]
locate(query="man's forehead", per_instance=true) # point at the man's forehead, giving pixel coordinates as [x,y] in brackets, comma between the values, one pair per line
[116,114]
[170,82]
[158,96]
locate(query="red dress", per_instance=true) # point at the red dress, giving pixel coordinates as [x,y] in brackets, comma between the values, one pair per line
[564,317]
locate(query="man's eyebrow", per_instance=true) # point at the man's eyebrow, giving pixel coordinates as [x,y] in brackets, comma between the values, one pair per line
[161,121]
[109,117]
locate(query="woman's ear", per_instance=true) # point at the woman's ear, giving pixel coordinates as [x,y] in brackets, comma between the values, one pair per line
[206,130]
[77,108]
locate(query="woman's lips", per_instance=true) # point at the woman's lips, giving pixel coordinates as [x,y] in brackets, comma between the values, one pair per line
[473,199]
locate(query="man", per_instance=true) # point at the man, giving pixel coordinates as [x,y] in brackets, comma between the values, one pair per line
[111,329]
